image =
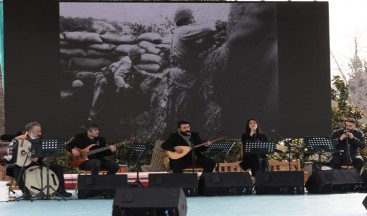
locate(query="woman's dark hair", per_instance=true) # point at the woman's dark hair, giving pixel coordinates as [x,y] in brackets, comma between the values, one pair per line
[258,129]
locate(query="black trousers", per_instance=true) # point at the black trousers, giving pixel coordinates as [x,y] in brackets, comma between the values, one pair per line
[253,162]
[95,165]
[207,163]
[338,159]
[21,177]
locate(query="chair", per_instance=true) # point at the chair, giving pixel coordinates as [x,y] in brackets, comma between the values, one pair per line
[230,167]
[284,166]
[188,169]
[345,165]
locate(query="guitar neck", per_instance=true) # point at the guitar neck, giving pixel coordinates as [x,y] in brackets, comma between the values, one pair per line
[94,151]
[205,143]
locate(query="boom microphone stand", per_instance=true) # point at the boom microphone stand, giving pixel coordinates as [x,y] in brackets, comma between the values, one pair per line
[47,148]
[289,145]
[23,167]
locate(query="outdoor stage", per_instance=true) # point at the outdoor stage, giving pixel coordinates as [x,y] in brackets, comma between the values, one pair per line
[334,204]
[323,204]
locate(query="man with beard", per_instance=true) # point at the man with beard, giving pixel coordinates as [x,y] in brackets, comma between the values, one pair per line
[33,133]
[182,139]
[348,141]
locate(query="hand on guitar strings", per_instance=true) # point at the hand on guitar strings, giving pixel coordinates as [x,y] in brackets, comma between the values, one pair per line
[113,148]
[75,152]
[178,149]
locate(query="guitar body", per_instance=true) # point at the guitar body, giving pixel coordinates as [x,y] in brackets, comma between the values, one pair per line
[174,155]
[76,161]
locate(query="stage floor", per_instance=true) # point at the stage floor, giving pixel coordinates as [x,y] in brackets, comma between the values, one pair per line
[325,204]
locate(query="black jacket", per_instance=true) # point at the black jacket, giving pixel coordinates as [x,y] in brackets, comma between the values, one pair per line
[175,139]
[82,141]
[354,144]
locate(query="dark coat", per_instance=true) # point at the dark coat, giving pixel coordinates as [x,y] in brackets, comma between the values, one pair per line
[82,141]
[354,144]
[175,139]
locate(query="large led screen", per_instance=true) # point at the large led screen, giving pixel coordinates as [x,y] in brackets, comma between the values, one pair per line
[138,68]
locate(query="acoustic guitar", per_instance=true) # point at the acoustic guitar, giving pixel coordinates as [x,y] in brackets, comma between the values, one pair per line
[186,149]
[84,153]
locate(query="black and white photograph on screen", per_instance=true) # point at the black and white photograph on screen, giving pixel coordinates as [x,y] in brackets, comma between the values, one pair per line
[138,68]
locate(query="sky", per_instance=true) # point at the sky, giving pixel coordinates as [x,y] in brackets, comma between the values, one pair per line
[347,20]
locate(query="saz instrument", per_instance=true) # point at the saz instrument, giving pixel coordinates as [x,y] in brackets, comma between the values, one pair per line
[186,149]
[84,153]
[23,154]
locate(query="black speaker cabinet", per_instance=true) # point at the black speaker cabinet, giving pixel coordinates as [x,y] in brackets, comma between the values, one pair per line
[280,182]
[149,202]
[225,183]
[100,185]
[187,181]
[365,202]
[335,181]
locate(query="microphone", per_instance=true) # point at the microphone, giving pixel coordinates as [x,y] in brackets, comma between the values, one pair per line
[281,137]
[188,133]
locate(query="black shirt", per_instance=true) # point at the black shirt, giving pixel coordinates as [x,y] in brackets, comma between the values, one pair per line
[82,141]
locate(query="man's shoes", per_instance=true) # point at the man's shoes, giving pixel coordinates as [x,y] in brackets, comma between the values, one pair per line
[64,194]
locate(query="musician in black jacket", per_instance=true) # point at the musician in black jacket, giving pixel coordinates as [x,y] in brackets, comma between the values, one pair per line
[95,161]
[348,141]
[253,161]
[32,133]
[184,137]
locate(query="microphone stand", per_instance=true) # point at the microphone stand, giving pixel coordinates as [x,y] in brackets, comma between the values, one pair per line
[193,156]
[289,148]
[348,149]
[22,171]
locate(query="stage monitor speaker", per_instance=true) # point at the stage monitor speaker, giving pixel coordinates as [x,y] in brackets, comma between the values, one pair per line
[335,181]
[225,183]
[365,202]
[149,202]
[280,182]
[100,186]
[187,181]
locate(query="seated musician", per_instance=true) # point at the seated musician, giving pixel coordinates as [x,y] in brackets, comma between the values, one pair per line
[184,137]
[33,132]
[251,161]
[90,140]
[6,152]
[348,141]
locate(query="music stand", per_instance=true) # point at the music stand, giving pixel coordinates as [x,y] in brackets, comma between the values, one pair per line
[47,148]
[135,153]
[319,145]
[219,150]
[259,147]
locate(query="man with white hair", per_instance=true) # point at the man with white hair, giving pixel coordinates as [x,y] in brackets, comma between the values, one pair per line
[33,132]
